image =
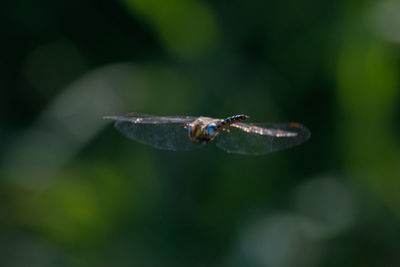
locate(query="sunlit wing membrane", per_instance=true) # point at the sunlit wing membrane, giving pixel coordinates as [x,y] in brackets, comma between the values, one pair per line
[261,138]
[147,119]
[248,128]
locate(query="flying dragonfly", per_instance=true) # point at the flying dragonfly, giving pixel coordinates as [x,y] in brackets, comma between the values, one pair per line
[230,134]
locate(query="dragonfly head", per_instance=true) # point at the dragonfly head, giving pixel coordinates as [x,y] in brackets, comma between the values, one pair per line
[202,130]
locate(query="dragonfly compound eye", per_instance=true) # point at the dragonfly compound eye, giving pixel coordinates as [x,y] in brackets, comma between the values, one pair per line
[211,128]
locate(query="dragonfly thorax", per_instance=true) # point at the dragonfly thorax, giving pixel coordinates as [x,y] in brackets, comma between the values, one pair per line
[203,129]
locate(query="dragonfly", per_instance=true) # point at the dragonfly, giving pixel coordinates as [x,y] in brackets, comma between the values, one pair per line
[229,134]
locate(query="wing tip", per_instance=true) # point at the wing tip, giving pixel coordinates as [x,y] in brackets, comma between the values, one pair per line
[305,131]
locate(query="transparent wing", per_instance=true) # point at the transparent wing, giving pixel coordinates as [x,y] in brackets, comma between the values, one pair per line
[148,119]
[261,138]
[167,133]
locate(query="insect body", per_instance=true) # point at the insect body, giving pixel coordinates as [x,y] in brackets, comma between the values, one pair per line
[204,129]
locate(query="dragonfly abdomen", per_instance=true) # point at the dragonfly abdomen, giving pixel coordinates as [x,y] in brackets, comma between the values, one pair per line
[230,120]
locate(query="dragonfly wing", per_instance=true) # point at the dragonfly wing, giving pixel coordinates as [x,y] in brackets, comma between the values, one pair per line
[261,138]
[148,119]
[168,133]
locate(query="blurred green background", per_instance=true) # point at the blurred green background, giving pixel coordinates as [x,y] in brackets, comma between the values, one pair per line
[75,192]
